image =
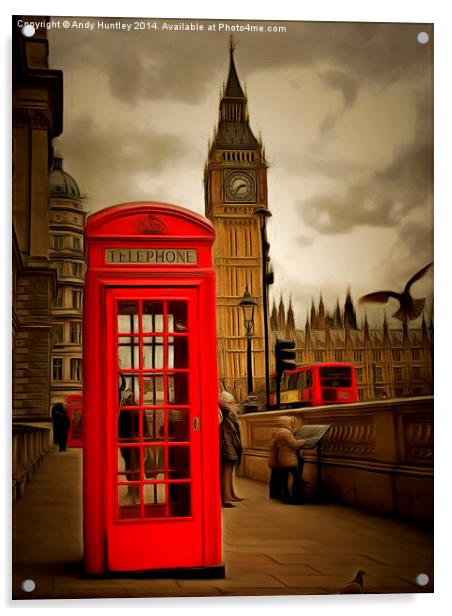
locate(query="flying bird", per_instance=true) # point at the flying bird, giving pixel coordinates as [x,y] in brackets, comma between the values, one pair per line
[356,586]
[409,308]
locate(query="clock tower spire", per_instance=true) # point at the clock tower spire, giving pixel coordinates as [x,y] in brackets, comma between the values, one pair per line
[235,182]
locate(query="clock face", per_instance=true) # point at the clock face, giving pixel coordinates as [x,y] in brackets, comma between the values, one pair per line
[240,186]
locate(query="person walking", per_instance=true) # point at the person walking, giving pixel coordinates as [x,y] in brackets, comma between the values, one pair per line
[230,448]
[284,461]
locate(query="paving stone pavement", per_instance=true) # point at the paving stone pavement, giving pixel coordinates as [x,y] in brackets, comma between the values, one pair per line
[269,548]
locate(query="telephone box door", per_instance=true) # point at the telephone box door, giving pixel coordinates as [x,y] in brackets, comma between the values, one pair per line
[153,424]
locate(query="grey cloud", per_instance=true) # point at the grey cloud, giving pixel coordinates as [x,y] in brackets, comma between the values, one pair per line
[344,82]
[115,156]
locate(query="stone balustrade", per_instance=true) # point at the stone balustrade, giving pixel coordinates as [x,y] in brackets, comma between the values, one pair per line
[378,455]
[29,446]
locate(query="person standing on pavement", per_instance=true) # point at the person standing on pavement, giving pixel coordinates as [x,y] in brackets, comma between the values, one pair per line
[230,448]
[285,460]
[61,425]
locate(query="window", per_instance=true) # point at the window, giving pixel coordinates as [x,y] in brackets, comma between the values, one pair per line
[59,332]
[318,356]
[396,355]
[378,374]
[415,354]
[76,269]
[76,369]
[58,301]
[76,332]
[359,375]
[360,395]
[357,356]
[398,376]
[58,242]
[398,392]
[76,243]
[57,368]
[416,372]
[76,299]
[376,355]
[61,268]
[338,355]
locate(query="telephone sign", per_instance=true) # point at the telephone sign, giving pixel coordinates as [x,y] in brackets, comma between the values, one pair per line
[151,476]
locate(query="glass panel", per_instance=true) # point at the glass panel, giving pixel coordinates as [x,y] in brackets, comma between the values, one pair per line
[155,493]
[181,352]
[179,462]
[129,426]
[128,353]
[129,463]
[152,317]
[153,389]
[178,425]
[129,390]
[154,462]
[153,425]
[129,501]
[179,497]
[128,321]
[178,388]
[153,353]
[177,316]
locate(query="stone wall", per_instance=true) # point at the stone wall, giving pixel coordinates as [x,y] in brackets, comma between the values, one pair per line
[378,456]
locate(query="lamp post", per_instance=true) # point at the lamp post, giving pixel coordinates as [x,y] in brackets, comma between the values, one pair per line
[267,279]
[247,303]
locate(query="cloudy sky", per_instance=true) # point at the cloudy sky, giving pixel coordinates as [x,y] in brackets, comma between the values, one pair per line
[345,114]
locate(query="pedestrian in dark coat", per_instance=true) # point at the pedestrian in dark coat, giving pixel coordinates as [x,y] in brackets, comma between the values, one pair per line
[230,448]
[61,425]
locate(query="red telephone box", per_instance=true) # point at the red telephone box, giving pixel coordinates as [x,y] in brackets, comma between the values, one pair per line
[151,451]
[74,405]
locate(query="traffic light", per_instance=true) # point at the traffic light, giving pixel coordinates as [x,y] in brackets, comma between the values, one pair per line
[284,355]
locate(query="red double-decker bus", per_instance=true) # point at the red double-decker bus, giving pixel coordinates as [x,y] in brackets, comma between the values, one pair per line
[316,384]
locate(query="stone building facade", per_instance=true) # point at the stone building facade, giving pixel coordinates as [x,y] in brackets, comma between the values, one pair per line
[390,363]
[235,181]
[67,252]
[37,96]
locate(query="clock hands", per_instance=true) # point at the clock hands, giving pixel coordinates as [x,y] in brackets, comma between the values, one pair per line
[238,188]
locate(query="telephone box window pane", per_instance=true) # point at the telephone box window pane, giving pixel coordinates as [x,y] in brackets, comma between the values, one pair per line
[180,352]
[129,390]
[129,426]
[154,463]
[177,317]
[178,425]
[128,321]
[153,389]
[152,317]
[179,499]
[153,425]
[153,353]
[154,494]
[129,463]
[178,388]
[179,462]
[128,353]
[129,501]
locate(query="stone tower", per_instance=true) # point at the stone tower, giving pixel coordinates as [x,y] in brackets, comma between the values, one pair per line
[235,181]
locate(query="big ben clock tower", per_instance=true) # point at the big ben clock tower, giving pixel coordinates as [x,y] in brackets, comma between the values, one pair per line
[235,181]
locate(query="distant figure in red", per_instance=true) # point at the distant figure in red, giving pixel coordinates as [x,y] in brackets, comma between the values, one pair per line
[61,425]
[230,448]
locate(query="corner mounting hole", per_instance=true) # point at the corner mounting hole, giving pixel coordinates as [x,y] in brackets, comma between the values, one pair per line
[28,30]
[422,579]
[423,38]
[28,585]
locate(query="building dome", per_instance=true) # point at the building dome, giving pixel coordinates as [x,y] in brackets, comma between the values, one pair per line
[61,184]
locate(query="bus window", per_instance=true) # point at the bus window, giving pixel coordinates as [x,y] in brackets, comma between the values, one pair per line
[335,376]
[308,378]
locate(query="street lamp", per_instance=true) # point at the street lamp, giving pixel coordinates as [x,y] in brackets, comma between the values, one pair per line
[267,279]
[248,305]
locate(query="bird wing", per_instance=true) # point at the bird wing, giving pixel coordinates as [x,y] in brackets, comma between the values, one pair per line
[379,297]
[417,276]
[353,588]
